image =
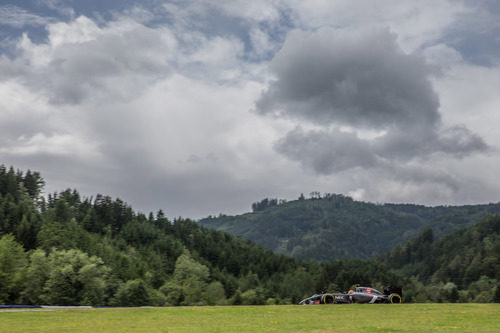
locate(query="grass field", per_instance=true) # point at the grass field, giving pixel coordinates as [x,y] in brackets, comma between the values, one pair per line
[293,318]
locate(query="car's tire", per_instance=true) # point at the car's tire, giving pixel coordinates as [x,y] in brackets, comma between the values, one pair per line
[395,299]
[327,299]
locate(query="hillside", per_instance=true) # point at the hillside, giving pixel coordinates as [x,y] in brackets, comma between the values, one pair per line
[67,250]
[336,226]
[468,259]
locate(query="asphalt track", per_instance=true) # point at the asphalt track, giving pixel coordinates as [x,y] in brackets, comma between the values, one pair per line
[25,307]
[20,308]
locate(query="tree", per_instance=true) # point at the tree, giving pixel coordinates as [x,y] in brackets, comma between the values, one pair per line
[173,293]
[249,281]
[192,277]
[214,294]
[33,183]
[12,184]
[297,284]
[451,292]
[75,278]
[12,269]
[236,299]
[454,296]
[55,235]
[497,294]
[265,203]
[253,297]
[93,277]
[37,274]
[193,290]
[186,267]
[132,293]
[315,195]
[27,231]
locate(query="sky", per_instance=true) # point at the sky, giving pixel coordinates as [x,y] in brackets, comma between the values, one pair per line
[204,107]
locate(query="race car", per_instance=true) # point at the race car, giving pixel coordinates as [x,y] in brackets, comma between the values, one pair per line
[392,295]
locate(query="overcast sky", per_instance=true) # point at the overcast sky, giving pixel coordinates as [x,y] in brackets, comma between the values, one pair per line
[203,107]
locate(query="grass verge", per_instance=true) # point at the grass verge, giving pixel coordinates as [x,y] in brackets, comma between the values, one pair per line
[293,318]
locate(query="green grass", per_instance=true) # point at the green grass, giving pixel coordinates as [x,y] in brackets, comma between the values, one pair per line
[293,318]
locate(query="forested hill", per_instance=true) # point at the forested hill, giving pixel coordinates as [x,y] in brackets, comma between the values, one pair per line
[336,226]
[466,263]
[69,250]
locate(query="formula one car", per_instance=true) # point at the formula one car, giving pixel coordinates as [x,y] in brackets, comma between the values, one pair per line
[392,295]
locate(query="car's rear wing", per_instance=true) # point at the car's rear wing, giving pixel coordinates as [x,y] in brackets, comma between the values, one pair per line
[393,290]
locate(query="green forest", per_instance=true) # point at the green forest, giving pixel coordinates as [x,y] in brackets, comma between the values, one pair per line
[307,228]
[65,249]
[466,263]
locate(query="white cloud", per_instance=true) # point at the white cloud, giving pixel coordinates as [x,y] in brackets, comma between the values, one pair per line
[257,10]
[18,17]
[81,60]
[56,144]
[417,23]
[261,42]
[215,58]
[469,95]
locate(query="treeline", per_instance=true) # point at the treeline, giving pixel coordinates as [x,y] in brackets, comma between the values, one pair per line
[461,267]
[266,203]
[272,202]
[69,250]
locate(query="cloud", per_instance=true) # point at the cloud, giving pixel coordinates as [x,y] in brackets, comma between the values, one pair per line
[81,59]
[362,80]
[476,32]
[258,10]
[332,151]
[259,26]
[401,183]
[60,6]
[456,141]
[155,117]
[57,144]
[327,151]
[151,102]
[417,23]
[18,17]
[359,79]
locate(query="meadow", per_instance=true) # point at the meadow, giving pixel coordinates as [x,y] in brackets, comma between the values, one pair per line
[330,318]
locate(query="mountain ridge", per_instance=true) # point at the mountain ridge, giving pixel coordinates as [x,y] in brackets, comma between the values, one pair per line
[336,226]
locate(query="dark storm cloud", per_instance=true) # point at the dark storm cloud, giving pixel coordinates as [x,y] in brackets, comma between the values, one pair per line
[362,80]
